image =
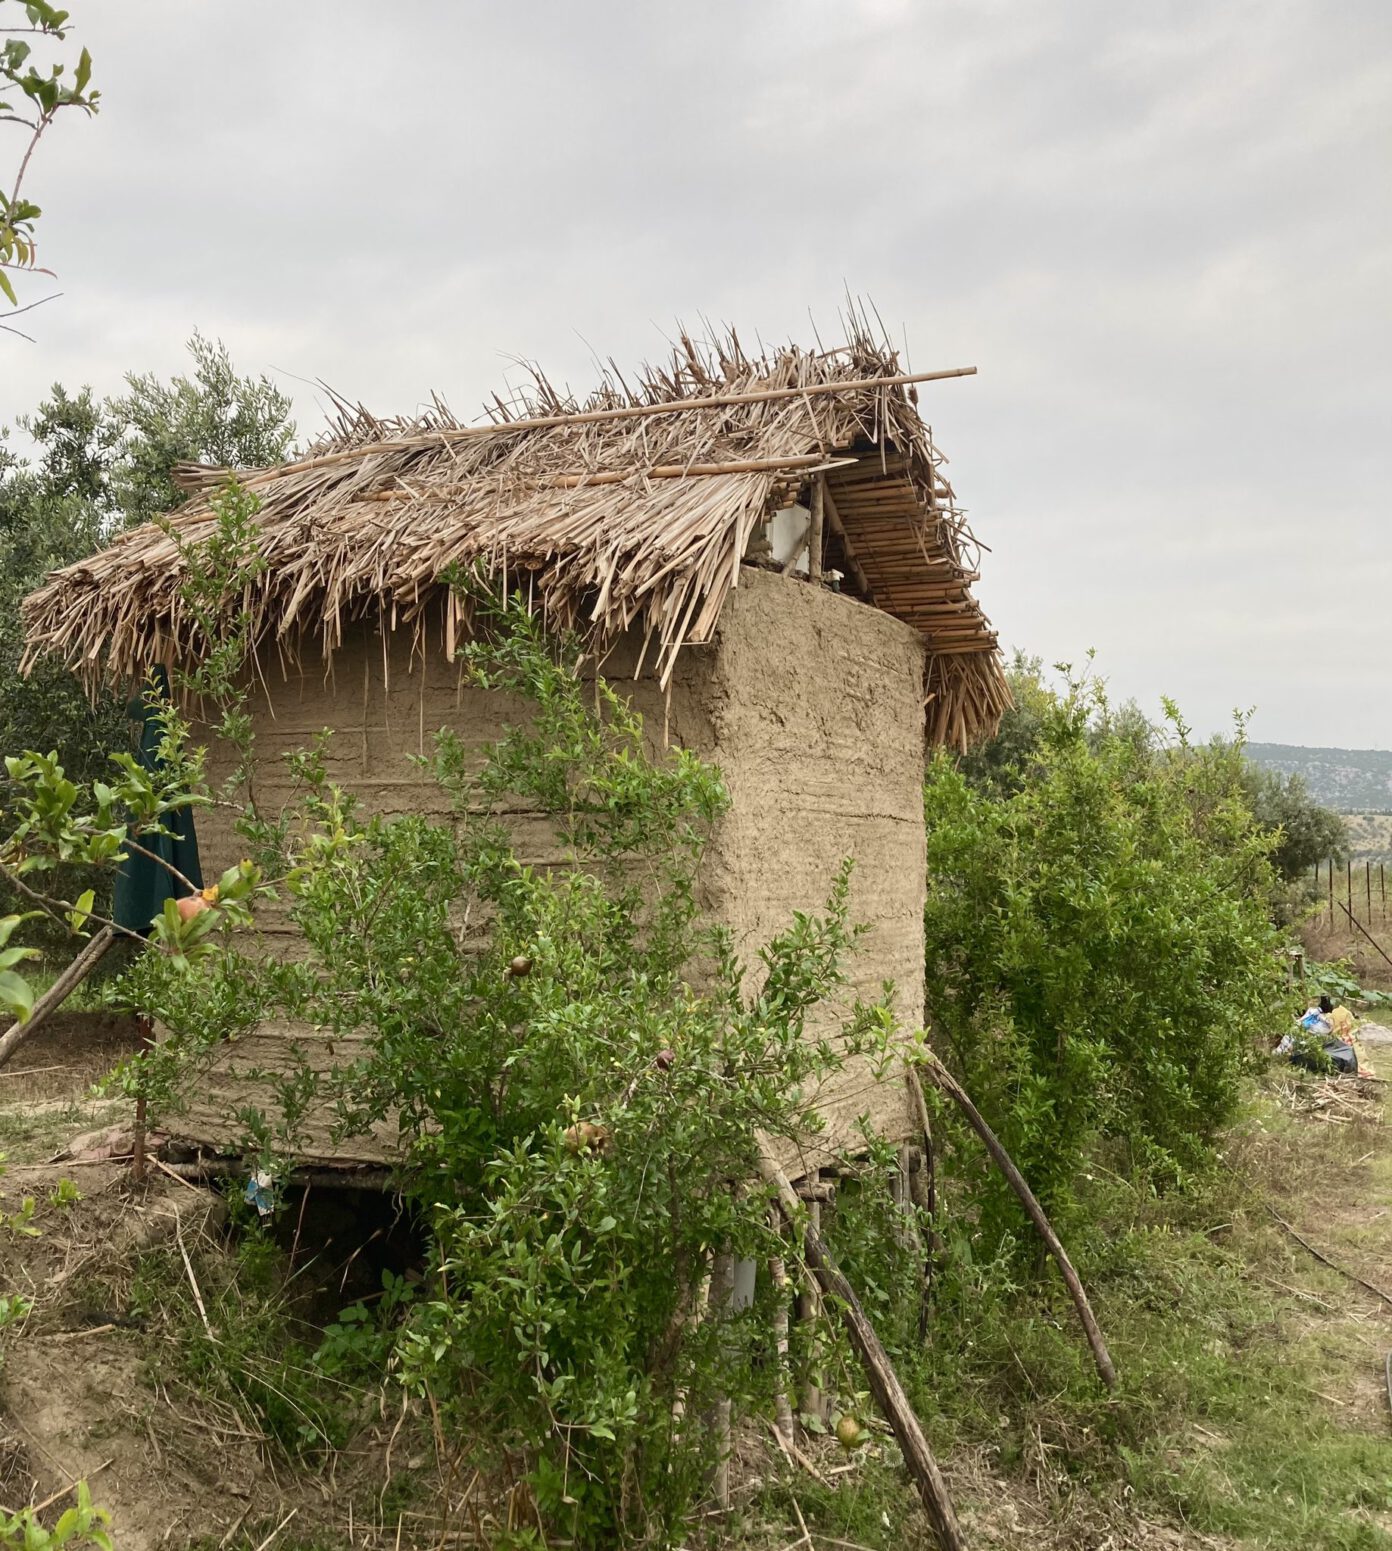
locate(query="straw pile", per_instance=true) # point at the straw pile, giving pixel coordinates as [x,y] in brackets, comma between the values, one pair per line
[610,511]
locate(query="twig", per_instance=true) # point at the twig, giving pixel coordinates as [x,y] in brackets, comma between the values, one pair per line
[269,1538]
[1333,1265]
[193,1283]
[795,1456]
[57,993]
[236,1525]
[79,1335]
[48,1502]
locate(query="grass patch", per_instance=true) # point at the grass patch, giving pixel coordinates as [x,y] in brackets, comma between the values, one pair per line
[1240,1357]
[255,1355]
[31,1133]
[1250,1403]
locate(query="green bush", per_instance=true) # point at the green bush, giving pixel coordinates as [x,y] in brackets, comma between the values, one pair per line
[581,1072]
[1100,957]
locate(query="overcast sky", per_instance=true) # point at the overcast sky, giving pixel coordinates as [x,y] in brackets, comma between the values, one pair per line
[1162,231]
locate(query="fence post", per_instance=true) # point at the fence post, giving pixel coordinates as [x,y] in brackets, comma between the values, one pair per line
[1331,893]
[1368,888]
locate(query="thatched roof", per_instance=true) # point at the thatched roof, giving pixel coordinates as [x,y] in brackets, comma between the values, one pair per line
[635,505]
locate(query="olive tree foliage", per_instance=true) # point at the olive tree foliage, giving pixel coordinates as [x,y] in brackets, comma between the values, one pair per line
[1306,832]
[90,468]
[38,81]
[1100,954]
[210,416]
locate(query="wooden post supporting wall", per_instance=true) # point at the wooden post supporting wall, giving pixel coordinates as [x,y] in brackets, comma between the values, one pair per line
[782,1409]
[884,1382]
[721,1292]
[818,529]
[812,1401]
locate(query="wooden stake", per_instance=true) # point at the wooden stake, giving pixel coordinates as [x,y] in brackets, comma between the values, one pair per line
[817,530]
[884,1382]
[721,1290]
[138,1169]
[782,1410]
[950,1086]
[812,1402]
[57,993]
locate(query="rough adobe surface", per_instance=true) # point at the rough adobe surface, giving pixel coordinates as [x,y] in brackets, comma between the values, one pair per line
[810,703]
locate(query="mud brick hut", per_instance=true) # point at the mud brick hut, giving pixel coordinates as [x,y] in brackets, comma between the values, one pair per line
[765,553]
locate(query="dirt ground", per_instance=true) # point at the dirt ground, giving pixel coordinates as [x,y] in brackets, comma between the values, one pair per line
[88,1389]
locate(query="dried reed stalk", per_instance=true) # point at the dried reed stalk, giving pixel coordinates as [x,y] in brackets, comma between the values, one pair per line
[632,508]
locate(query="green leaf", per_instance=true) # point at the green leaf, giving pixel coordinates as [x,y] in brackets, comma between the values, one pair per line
[16,994]
[77,917]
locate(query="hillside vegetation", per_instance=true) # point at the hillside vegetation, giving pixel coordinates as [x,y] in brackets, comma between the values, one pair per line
[1347,780]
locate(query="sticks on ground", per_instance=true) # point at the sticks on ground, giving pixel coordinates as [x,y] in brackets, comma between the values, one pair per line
[950,1086]
[884,1382]
[1324,1259]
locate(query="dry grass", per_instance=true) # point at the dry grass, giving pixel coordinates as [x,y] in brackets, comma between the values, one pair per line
[604,522]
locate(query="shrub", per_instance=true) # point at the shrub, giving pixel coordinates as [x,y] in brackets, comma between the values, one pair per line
[579,1068]
[1100,957]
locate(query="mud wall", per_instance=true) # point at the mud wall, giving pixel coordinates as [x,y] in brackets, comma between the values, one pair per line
[810,703]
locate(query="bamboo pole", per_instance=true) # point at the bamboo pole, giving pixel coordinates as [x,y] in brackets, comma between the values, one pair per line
[833,517]
[586,477]
[1348,868]
[950,1086]
[1368,886]
[1331,893]
[623,412]
[817,531]
[884,1382]
[782,1410]
[57,993]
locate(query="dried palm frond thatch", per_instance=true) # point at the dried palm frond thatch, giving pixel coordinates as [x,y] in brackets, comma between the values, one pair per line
[635,505]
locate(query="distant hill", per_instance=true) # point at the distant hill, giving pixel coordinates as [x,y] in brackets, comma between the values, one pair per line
[1348,780]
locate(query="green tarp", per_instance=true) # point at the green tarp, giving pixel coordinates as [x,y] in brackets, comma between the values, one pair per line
[142,885]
